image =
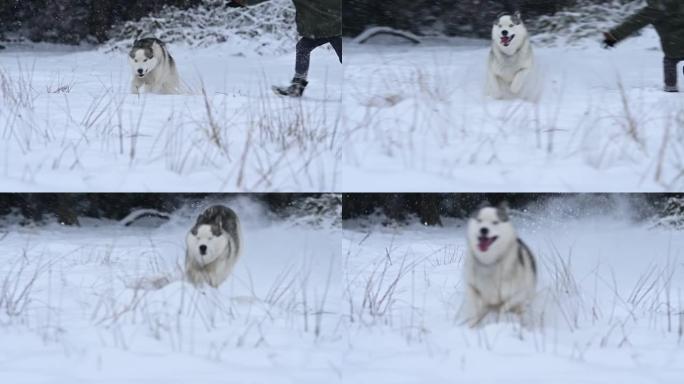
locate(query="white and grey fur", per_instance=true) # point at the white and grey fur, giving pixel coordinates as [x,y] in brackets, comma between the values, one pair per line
[500,270]
[511,66]
[214,245]
[154,69]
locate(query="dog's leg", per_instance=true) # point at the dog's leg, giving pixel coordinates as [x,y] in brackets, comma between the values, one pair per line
[493,88]
[517,302]
[474,310]
[135,86]
[519,81]
[193,274]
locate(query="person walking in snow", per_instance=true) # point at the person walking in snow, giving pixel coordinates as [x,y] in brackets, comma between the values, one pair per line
[319,22]
[667,16]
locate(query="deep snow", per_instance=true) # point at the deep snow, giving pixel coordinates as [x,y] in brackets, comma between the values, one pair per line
[417,119]
[614,316]
[83,320]
[310,302]
[69,123]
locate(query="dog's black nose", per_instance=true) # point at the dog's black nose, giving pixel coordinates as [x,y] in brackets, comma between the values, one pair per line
[203,249]
[484,231]
[504,33]
[140,71]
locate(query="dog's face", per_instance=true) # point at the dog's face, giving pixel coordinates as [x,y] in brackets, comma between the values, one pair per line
[144,58]
[207,243]
[509,33]
[490,233]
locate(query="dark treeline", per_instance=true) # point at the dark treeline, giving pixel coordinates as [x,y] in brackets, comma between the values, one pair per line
[66,208]
[449,17]
[430,208]
[73,21]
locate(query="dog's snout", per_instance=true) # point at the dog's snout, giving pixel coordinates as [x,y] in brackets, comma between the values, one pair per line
[504,33]
[140,71]
[203,249]
[484,231]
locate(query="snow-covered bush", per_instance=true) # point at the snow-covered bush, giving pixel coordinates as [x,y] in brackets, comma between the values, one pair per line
[324,211]
[265,28]
[672,214]
[586,19]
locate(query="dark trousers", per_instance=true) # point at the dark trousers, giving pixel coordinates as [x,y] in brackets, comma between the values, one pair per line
[670,67]
[304,48]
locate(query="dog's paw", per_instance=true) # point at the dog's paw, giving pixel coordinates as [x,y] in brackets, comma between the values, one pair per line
[519,82]
[516,86]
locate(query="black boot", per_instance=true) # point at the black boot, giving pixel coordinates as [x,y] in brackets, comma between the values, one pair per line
[296,88]
[670,69]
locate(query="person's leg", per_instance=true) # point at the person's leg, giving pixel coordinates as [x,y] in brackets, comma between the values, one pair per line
[670,72]
[304,48]
[336,43]
[302,63]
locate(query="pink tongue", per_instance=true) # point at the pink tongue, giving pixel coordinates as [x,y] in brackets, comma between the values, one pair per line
[505,40]
[484,244]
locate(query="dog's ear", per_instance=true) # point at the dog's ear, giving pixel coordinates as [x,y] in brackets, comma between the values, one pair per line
[216,230]
[517,18]
[502,211]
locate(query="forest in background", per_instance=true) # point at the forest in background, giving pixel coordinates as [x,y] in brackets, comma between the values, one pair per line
[66,208]
[429,208]
[472,18]
[77,21]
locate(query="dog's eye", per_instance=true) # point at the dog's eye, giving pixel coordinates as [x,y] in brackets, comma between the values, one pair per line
[479,220]
[496,223]
[145,61]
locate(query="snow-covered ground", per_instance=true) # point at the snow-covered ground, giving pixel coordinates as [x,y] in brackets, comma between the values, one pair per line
[70,311]
[416,119]
[69,123]
[610,307]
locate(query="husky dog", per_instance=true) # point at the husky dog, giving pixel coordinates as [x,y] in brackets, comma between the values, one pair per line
[153,67]
[511,60]
[214,245]
[500,270]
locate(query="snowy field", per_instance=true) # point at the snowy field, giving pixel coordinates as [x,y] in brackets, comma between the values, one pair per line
[75,305]
[68,122]
[417,119]
[609,309]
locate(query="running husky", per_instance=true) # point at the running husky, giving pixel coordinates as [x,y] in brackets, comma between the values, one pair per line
[214,245]
[511,60]
[153,67]
[500,270]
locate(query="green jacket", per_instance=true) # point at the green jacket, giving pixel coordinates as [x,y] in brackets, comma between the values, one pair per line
[316,18]
[667,16]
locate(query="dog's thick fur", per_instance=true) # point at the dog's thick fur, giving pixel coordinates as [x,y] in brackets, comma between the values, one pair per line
[500,270]
[214,245]
[511,67]
[154,69]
